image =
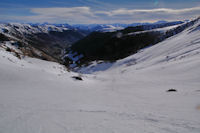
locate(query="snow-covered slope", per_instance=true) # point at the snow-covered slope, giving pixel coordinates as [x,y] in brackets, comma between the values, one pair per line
[112,46]
[107,28]
[41,97]
[31,29]
[49,39]
[117,26]
[177,47]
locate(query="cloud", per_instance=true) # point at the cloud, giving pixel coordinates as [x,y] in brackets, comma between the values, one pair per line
[56,14]
[63,12]
[87,15]
[144,15]
[140,11]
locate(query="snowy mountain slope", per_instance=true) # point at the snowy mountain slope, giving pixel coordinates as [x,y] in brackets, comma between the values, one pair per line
[49,39]
[112,46]
[177,47]
[100,27]
[30,29]
[40,96]
[183,45]
[116,26]
[107,28]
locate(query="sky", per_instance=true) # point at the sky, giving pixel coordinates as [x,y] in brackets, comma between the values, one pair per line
[97,11]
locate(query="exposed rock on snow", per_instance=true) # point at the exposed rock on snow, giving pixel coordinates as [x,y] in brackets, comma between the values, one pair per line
[171,90]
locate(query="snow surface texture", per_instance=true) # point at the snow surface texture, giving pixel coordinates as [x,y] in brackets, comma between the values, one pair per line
[129,96]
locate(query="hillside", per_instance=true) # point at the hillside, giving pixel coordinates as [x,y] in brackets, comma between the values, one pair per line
[111,46]
[48,39]
[126,96]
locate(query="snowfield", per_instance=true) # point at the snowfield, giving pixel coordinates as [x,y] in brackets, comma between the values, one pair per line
[128,96]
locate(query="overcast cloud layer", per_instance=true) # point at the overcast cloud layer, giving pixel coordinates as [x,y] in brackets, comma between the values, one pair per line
[86,15]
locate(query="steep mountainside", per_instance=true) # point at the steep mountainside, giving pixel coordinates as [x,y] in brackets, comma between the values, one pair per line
[111,46]
[50,40]
[178,48]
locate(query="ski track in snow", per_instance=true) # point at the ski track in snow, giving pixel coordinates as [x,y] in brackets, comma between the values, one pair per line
[129,96]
